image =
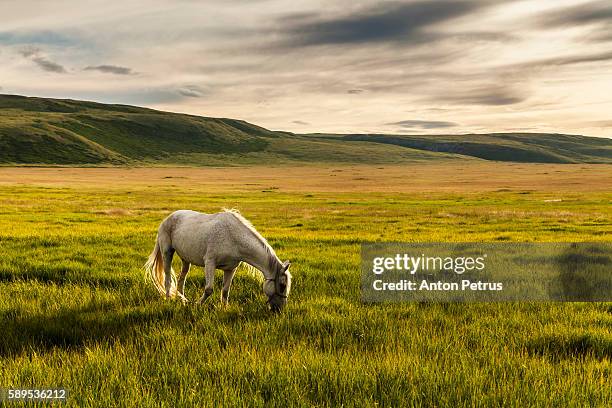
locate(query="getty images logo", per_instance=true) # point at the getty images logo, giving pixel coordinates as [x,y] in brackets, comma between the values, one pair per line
[413,264]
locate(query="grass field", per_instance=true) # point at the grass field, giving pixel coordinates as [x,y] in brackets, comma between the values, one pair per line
[77,313]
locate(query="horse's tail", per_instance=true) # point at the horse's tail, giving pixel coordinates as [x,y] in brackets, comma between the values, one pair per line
[154,271]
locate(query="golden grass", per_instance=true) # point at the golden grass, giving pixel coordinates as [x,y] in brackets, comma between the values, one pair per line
[434,177]
[77,312]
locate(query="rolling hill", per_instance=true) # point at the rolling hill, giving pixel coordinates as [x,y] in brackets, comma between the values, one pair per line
[44,131]
[514,147]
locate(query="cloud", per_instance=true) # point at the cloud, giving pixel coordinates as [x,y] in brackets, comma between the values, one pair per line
[110,69]
[567,60]
[602,36]
[35,55]
[423,124]
[29,51]
[403,22]
[474,37]
[49,66]
[299,122]
[600,123]
[596,15]
[192,91]
[587,13]
[36,37]
[487,98]
[481,95]
[354,65]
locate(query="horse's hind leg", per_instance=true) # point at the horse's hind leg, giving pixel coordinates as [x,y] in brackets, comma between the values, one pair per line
[168,253]
[209,269]
[165,247]
[181,280]
[228,275]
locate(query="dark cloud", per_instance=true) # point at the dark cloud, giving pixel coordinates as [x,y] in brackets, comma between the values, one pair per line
[587,13]
[192,91]
[49,66]
[189,93]
[567,60]
[354,91]
[402,22]
[483,95]
[484,36]
[487,98]
[110,69]
[423,124]
[29,51]
[299,122]
[597,15]
[35,55]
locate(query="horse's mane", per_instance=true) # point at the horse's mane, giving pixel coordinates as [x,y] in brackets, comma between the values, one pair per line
[273,258]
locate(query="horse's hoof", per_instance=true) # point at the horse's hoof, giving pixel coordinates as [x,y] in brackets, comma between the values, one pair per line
[203,300]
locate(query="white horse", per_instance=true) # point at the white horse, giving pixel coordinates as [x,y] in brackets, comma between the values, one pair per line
[215,241]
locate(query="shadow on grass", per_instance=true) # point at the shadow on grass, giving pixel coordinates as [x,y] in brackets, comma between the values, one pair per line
[70,328]
[65,278]
[573,346]
[108,322]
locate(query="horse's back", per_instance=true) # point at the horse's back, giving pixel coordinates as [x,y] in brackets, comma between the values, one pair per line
[182,220]
[192,234]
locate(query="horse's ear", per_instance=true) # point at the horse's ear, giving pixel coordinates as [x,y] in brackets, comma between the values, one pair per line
[286,265]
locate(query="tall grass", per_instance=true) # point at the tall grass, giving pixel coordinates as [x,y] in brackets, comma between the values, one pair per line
[76,312]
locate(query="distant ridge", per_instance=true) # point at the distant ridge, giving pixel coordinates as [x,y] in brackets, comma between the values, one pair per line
[45,131]
[517,147]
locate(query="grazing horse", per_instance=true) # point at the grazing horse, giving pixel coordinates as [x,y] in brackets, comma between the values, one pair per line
[215,241]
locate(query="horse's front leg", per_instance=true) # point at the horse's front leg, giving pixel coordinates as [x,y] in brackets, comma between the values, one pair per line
[209,269]
[228,275]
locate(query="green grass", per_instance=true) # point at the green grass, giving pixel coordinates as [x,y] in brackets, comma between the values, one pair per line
[516,147]
[77,313]
[45,131]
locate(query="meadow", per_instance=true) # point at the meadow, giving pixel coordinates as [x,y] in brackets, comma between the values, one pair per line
[77,313]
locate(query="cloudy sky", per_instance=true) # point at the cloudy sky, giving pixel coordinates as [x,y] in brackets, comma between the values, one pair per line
[325,66]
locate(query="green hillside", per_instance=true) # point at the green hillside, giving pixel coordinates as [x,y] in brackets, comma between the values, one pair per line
[68,132]
[515,147]
[37,130]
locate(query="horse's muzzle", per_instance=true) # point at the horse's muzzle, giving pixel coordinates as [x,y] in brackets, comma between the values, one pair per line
[276,303]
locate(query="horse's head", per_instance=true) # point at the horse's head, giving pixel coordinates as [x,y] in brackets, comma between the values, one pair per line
[277,289]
